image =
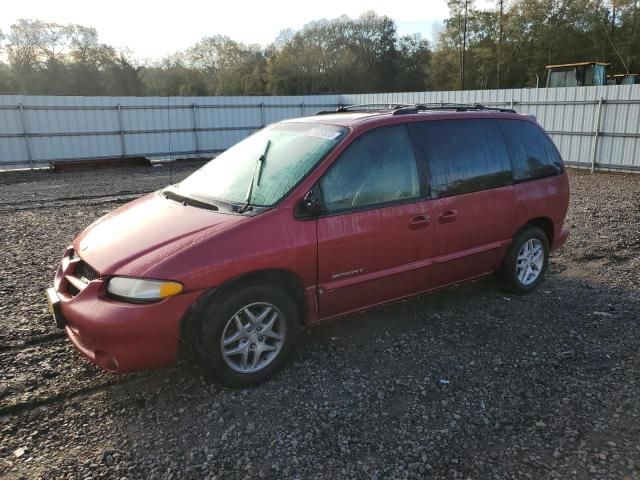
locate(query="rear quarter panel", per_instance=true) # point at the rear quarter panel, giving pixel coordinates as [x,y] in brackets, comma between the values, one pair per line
[544,198]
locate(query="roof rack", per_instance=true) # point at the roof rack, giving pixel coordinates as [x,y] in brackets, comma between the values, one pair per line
[365,107]
[456,107]
[406,109]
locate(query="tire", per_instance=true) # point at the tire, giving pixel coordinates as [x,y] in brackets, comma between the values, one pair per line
[520,281]
[235,315]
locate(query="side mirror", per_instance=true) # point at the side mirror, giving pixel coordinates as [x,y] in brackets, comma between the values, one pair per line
[310,206]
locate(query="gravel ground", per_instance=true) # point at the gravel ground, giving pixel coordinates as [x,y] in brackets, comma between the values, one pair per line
[465,383]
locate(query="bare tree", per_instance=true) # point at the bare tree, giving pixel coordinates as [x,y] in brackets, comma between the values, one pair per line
[53,40]
[84,43]
[23,48]
[459,9]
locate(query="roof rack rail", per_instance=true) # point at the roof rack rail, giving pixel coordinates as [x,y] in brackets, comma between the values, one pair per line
[457,107]
[407,109]
[365,107]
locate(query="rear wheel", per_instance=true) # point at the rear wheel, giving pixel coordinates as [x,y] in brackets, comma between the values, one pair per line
[247,334]
[526,261]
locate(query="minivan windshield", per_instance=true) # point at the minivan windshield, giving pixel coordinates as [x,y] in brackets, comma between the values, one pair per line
[284,154]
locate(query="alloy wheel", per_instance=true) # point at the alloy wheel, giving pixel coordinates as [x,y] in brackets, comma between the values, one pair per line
[253,337]
[530,261]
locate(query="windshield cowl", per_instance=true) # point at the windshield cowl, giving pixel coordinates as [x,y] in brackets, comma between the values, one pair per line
[174,193]
[188,201]
[251,209]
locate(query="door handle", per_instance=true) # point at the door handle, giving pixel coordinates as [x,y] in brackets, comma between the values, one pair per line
[419,221]
[448,216]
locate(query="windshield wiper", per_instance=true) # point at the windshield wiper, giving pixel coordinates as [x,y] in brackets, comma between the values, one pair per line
[188,200]
[257,171]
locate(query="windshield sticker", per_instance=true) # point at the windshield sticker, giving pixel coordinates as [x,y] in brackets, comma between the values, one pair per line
[322,132]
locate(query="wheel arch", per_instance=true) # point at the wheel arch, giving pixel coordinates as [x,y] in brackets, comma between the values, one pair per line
[543,223]
[287,280]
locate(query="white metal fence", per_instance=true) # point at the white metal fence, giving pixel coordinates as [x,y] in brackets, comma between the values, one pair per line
[36,130]
[592,126]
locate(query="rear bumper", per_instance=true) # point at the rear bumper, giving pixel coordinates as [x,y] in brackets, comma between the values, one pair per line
[560,235]
[117,336]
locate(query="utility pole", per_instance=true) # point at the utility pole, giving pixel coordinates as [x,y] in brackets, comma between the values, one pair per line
[499,44]
[464,43]
[460,49]
[613,20]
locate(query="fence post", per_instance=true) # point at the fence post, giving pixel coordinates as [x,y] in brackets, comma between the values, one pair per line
[262,114]
[25,132]
[596,135]
[195,129]
[121,127]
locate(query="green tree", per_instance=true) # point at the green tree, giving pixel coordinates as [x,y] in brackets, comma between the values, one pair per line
[413,63]
[347,55]
[232,68]
[173,77]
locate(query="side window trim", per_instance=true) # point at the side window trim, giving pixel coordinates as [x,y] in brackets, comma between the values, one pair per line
[363,208]
[508,149]
[420,168]
[421,159]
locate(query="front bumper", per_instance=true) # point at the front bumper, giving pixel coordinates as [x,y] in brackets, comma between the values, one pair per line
[117,336]
[53,302]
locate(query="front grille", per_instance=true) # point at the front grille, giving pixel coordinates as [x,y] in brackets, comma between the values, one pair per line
[84,270]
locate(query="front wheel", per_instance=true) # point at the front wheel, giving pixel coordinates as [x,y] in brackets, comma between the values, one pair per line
[247,334]
[526,261]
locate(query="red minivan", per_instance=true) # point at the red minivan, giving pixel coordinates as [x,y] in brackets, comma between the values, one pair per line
[306,220]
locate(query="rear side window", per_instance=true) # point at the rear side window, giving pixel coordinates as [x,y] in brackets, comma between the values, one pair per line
[532,153]
[378,167]
[465,156]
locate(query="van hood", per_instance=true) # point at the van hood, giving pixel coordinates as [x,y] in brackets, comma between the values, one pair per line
[140,234]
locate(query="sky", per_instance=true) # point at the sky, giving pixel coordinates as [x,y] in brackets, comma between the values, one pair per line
[153,29]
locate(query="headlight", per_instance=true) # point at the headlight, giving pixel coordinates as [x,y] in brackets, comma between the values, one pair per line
[138,290]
